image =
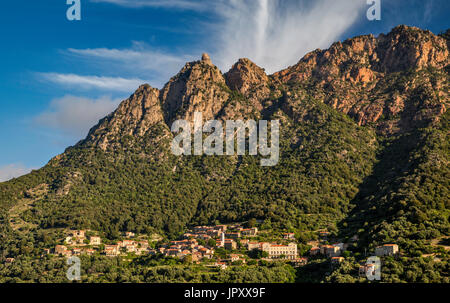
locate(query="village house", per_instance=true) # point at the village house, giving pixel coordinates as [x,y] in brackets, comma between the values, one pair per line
[196,257]
[206,253]
[171,252]
[230,244]
[205,232]
[95,240]
[89,251]
[67,253]
[277,251]
[244,242]
[126,243]
[386,250]
[188,235]
[367,270]
[222,228]
[251,232]
[253,245]
[221,265]
[289,236]
[330,250]
[68,240]
[60,249]
[340,245]
[299,262]
[314,251]
[204,237]
[214,233]
[235,226]
[235,235]
[79,234]
[9,260]
[201,229]
[236,257]
[130,248]
[112,250]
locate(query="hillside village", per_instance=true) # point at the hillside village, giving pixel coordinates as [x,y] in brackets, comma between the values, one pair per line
[218,245]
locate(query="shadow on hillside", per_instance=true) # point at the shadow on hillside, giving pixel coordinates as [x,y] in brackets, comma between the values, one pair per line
[378,195]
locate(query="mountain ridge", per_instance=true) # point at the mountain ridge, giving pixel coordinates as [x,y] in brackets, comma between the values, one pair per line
[371,61]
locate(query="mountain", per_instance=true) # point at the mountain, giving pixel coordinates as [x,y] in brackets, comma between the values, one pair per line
[363,150]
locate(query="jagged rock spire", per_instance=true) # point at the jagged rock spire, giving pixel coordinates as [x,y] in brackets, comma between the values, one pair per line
[206,59]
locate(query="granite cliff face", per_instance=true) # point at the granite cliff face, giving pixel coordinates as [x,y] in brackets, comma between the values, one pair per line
[397,81]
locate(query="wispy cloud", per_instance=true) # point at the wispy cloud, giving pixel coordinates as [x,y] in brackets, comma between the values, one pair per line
[180,4]
[277,33]
[428,11]
[14,170]
[93,82]
[74,116]
[158,66]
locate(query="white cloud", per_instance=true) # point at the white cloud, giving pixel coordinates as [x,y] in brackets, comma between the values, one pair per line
[278,33]
[158,65]
[14,170]
[94,82]
[74,116]
[180,4]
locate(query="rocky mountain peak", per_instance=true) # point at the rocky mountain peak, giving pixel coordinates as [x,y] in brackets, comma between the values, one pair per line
[199,86]
[410,47]
[245,76]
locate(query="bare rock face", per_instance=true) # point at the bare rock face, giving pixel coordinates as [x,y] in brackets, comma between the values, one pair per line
[252,84]
[134,117]
[245,76]
[206,59]
[199,86]
[404,48]
[411,48]
[358,77]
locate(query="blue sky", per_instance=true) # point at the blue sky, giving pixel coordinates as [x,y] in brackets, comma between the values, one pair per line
[59,77]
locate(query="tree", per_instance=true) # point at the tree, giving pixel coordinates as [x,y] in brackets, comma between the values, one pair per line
[251,223]
[211,242]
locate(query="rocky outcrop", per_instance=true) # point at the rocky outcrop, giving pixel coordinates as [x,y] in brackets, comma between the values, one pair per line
[134,117]
[361,58]
[246,77]
[364,77]
[199,86]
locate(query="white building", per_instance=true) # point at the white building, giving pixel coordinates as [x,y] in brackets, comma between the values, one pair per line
[277,251]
